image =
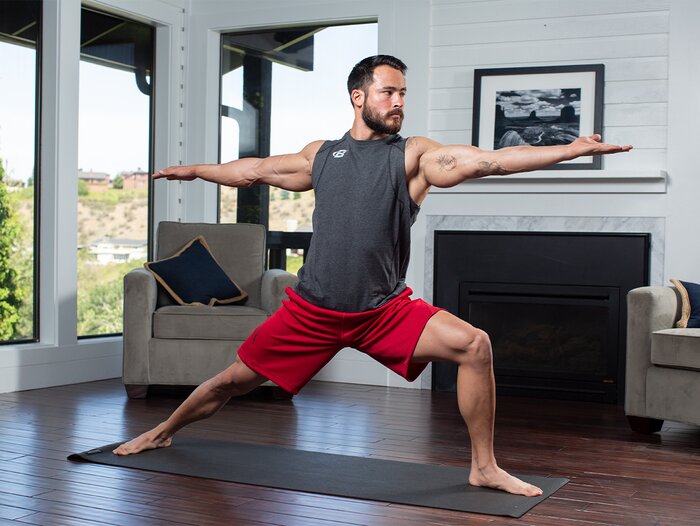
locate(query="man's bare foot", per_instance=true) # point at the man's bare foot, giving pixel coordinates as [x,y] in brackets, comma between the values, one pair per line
[152,439]
[495,477]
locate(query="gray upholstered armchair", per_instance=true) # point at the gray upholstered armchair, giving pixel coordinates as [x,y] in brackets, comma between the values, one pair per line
[663,362]
[170,344]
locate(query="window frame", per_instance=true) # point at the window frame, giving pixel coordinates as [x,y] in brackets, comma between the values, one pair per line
[36,215]
[151,147]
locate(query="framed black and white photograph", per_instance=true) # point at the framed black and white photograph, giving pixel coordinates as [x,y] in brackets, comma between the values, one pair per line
[538,106]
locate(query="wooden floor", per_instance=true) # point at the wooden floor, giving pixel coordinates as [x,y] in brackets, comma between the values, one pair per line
[617,477]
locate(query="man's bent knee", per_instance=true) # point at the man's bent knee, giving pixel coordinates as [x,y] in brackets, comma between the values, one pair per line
[476,351]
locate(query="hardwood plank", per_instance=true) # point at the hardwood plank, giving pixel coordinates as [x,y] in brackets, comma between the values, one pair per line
[50,519]
[11,512]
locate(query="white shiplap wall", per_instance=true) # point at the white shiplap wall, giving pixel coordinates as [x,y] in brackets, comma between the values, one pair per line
[629,36]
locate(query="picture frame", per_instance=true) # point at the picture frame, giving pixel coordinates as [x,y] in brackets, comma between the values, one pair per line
[539,106]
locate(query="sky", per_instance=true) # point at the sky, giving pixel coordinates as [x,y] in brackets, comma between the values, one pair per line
[17,72]
[544,102]
[113,118]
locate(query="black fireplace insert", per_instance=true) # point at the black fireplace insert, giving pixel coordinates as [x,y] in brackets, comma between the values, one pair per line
[552,304]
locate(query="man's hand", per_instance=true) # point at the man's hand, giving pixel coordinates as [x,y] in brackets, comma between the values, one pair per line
[591,145]
[177,173]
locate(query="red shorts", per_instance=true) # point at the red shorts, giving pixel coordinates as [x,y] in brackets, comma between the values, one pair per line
[292,345]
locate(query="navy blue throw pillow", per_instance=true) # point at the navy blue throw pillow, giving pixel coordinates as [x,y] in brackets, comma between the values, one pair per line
[193,277]
[690,308]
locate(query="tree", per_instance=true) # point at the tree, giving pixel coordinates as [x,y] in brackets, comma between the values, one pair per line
[118,183]
[11,291]
[100,309]
[83,188]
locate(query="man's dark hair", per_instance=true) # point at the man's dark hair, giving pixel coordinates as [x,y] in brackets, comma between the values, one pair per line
[361,75]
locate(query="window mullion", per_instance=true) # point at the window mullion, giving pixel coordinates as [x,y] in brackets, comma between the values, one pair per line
[59,159]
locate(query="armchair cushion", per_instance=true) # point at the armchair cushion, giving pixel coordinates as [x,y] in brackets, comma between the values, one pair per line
[193,277]
[225,322]
[690,308]
[676,348]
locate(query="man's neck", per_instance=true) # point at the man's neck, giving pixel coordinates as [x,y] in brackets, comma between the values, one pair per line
[361,132]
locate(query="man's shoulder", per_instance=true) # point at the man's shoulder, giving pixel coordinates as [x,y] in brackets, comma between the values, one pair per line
[419,141]
[313,148]
[418,145]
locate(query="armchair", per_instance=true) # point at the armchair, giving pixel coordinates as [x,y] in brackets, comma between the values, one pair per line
[170,344]
[663,362]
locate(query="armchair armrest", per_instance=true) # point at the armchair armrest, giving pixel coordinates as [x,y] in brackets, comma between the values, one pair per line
[649,309]
[140,296]
[274,282]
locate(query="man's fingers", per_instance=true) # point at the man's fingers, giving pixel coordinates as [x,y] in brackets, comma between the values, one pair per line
[174,173]
[162,173]
[597,139]
[625,148]
[594,146]
[614,148]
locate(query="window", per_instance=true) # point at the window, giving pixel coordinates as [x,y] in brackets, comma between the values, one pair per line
[116,83]
[20,29]
[280,90]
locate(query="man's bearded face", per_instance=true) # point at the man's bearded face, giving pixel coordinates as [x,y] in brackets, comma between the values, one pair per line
[384,124]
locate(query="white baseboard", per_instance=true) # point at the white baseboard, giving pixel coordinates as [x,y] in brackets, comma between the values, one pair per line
[24,367]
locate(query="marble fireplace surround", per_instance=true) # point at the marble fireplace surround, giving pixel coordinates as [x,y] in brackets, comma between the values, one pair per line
[653,225]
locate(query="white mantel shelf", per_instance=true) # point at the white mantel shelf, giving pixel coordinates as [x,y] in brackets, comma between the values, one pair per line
[566,181]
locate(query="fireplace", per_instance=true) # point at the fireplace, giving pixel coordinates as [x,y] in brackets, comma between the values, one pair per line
[552,303]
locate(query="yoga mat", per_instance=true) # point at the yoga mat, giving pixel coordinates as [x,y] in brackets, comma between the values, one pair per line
[341,475]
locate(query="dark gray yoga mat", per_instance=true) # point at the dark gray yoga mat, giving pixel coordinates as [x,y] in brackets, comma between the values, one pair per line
[341,475]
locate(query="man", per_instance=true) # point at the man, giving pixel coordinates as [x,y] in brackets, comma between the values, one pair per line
[351,292]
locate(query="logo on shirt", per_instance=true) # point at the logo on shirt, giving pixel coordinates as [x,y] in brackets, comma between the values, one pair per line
[338,154]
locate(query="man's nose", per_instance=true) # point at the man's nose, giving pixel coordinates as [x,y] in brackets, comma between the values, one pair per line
[397,100]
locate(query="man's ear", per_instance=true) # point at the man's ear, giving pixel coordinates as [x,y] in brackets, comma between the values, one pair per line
[358,97]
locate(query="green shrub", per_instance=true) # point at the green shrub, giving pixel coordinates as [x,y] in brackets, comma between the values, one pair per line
[12,291]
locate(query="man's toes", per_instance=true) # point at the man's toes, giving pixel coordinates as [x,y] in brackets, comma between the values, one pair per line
[532,491]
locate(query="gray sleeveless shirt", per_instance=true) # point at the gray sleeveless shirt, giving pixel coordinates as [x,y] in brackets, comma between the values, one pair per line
[361,242]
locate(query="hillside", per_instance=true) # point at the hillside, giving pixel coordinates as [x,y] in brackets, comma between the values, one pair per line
[283,207]
[122,214]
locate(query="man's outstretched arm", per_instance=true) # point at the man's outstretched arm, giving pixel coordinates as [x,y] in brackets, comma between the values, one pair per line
[290,172]
[446,166]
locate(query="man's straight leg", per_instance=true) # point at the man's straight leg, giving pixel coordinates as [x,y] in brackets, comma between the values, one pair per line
[203,402]
[288,348]
[448,338]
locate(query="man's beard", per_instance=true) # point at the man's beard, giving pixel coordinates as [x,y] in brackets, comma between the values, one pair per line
[374,121]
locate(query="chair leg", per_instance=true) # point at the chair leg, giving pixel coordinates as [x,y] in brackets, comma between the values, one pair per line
[644,425]
[136,391]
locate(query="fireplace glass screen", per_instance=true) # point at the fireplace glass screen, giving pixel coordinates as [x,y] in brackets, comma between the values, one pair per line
[540,331]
